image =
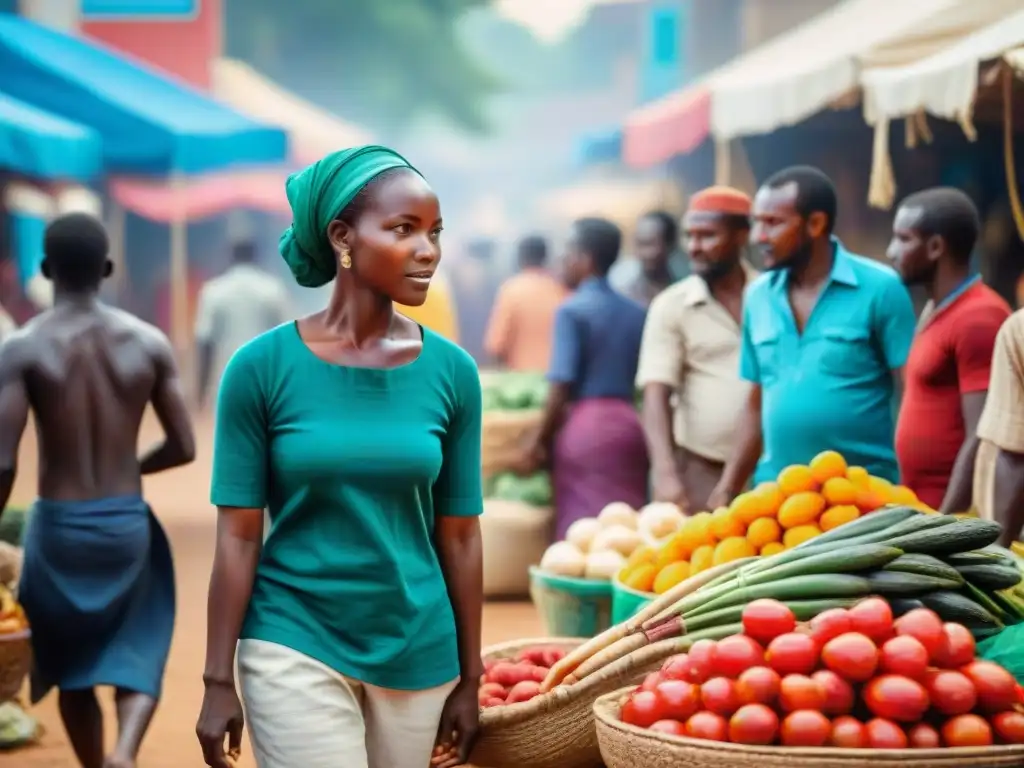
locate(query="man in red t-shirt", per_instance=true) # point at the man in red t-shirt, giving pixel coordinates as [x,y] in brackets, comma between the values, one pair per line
[947,373]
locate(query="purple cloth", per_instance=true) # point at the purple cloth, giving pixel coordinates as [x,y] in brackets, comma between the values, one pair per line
[600,457]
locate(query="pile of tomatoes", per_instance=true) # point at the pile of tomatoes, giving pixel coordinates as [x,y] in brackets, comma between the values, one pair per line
[512,681]
[850,678]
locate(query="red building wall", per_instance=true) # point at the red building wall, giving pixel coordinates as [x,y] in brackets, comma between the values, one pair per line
[183,48]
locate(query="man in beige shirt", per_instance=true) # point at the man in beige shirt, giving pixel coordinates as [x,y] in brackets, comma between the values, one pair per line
[522,322]
[999,466]
[689,360]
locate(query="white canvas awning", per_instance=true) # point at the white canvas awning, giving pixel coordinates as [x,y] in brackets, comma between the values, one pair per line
[805,70]
[943,84]
[312,132]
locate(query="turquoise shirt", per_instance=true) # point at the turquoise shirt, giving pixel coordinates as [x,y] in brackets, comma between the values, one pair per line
[355,466]
[830,387]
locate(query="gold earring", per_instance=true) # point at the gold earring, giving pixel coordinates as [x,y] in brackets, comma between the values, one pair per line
[346,259]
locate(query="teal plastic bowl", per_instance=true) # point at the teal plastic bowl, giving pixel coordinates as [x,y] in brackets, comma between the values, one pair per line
[571,607]
[626,601]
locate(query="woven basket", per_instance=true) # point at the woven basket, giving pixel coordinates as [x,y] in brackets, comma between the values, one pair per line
[15,662]
[571,607]
[556,729]
[626,746]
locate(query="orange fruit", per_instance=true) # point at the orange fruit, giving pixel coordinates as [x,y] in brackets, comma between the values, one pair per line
[773,548]
[839,490]
[801,509]
[800,534]
[749,506]
[858,476]
[733,548]
[671,575]
[640,577]
[771,497]
[763,531]
[724,524]
[642,554]
[672,551]
[826,465]
[903,495]
[796,479]
[696,532]
[702,559]
[836,516]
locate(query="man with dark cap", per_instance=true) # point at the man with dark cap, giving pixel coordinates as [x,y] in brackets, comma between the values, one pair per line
[97,583]
[689,360]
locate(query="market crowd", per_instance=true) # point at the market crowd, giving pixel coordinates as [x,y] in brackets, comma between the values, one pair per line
[745,371]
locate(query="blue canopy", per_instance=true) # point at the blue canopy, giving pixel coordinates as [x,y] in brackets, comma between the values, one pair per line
[148,123]
[603,146]
[38,143]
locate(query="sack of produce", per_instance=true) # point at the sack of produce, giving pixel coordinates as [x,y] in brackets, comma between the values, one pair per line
[15,645]
[534,489]
[515,536]
[522,728]
[512,405]
[850,688]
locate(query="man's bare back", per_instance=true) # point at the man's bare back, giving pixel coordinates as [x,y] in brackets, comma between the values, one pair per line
[88,371]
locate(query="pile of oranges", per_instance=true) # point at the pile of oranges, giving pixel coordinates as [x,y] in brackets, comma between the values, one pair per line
[803,502]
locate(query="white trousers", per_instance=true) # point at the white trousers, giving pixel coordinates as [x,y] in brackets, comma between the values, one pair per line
[302,713]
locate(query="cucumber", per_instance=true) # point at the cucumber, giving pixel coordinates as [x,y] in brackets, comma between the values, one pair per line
[983,599]
[866,557]
[869,523]
[1011,605]
[902,605]
[810,587]
[958,608]
[977,557]
[803,610]
[957,536]
[893,583]
[990,577]
[926,565]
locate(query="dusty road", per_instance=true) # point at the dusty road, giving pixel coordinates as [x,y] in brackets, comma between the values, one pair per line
[179,499]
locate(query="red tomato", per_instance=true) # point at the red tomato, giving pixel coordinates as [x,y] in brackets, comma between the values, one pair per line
[923,736]
[702,660]
[758,685]
[967,731]
[651,681]
[642,709]
[753,724]
[885,734]
[800,692]
[848,733]
[956,649]
[951,693]
[852,656]
[1009,726]
[707,725]
[873,618]
[829,624]
[895,697]
[997,690]
[805,728]
[904,655]
[792,654]
[720,696]
[839,696]
[679,700]
[679,668]
[1020,693]
[735,654]
[923,625]
[764,620]
[671,727]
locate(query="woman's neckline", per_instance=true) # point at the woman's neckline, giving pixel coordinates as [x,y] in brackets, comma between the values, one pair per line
[393,369]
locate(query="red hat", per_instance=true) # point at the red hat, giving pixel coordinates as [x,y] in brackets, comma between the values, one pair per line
[720,199]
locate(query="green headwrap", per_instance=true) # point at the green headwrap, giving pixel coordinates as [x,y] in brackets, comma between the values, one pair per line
[317,195]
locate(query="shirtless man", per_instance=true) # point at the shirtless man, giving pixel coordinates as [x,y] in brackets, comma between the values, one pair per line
[98,582]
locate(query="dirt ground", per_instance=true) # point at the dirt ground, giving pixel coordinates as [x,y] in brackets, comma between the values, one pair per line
[179,499]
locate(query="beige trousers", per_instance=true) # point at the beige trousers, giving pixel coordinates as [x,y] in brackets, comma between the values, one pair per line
[302,713]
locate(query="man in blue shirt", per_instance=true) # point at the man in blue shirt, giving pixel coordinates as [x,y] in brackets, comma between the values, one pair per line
[825,336]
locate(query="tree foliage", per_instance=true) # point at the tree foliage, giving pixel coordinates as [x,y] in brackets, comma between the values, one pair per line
[384,62]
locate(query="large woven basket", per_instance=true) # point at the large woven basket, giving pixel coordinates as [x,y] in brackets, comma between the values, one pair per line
[15,662]
[556,729]
[626,746]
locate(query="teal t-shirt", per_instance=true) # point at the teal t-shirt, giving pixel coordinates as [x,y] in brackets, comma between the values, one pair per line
[354,465]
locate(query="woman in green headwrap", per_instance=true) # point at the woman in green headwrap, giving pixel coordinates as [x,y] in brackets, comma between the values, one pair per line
[358,624]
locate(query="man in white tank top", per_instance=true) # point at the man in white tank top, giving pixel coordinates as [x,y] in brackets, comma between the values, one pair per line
[234,308]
